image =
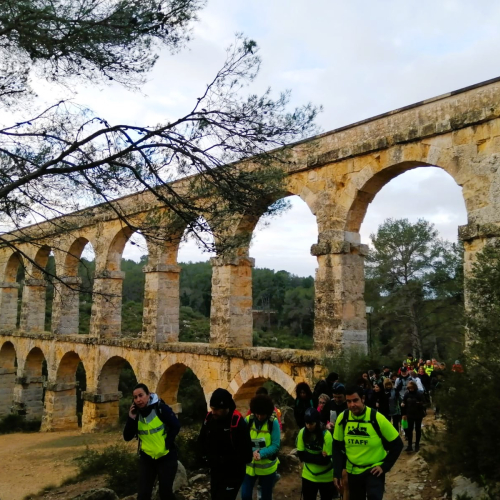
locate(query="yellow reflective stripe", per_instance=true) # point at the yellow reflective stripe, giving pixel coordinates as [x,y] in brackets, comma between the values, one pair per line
[141,433]
[157,429]
[265,466]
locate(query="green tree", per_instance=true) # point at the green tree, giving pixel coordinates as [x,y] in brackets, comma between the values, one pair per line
[64,157]
[298,309]
[414,280]
[470,400]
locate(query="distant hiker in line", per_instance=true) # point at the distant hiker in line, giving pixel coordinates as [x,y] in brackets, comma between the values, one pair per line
[224,441]
[370,444]
[303,401]
[156,426]
[266,440]
[314,449]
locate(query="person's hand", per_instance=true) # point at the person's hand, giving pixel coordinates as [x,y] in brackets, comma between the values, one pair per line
[132,413]
[256,455]
[377,405]
[338,484]
[324,453]
[377,471]
[329,426]
[402,404]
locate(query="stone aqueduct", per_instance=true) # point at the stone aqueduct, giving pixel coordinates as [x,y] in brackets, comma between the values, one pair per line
[337,177]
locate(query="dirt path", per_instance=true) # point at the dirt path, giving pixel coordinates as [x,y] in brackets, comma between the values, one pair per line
[31,462]
[34,461]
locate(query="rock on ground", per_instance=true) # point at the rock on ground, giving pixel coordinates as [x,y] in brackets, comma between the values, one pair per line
[97,494]
[464,486]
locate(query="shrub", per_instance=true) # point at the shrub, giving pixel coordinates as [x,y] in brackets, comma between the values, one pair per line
[186,443]
[18,423]
[117,462]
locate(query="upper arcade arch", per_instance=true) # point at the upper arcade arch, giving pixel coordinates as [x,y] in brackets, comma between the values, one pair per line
[372,185]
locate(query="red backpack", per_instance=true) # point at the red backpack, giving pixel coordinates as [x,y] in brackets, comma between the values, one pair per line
[235,420]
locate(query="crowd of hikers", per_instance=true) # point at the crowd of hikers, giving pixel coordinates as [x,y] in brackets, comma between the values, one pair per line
[349,437]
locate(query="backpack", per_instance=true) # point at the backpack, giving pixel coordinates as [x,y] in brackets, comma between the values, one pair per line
[373,421]
[235,420]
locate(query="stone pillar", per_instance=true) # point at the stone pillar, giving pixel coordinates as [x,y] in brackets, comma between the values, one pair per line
[160,322]
[100,411]
[8,305]
[33,305]
[340,312]
[28,396]
[106,317]
[66,304]
[60,407]
[7,384]
[231,321]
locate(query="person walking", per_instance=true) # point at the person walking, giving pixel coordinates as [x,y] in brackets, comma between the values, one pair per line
[337,406]
[303,401]
[314,449]
[156,426]
[381,403]
[413,407]
[323,409]
[265,436]
[224,442]
[371,446]
[393,400]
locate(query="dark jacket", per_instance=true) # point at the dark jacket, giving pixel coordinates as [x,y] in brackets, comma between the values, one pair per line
[165,414]
[299,410]
[413,405]
[381,399]
[333,406]
[426,381]
[223,446]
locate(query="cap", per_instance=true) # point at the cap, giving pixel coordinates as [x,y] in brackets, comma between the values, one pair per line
[221,399]
[311,415]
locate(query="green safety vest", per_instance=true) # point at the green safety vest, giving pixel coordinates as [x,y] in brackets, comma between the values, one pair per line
[314,472]
[261,438]
[428,369]
[152,433]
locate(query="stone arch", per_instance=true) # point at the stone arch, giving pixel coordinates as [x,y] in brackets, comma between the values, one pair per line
[73,256]
[36,308]
[61,396]
[370,183]
[109,374]
[251,377]
[66,314]
[30,393]
[115,250]
[11,267]
[8,366]
[168,385]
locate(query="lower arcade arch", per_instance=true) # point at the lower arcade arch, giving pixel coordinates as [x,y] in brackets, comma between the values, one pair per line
[8,368]
[29,396]
[280,396]
[181,389]
[63,402]
[115,385]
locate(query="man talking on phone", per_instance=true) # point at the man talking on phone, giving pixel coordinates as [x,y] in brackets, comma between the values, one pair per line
[156,426]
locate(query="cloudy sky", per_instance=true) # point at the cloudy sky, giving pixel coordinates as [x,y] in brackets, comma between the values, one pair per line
[357,59]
